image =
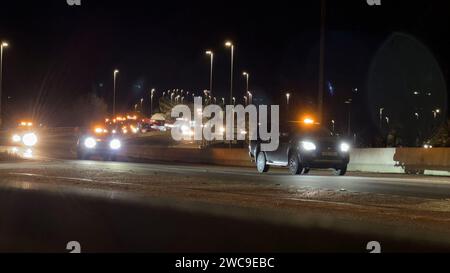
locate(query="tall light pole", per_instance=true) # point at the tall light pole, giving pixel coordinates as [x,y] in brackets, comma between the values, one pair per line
[247,76]
[151,101]
[2,45]
[211,55]
[114,92]
[250,97]
[288,96]
[349,128]
[231,46]
[142,108]
[381,118]
[333,125]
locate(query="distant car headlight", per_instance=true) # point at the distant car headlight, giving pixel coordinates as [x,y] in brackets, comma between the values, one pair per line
[115,144]
[345,147]
[90,143]
[308,146]
[30,139]
[16,138]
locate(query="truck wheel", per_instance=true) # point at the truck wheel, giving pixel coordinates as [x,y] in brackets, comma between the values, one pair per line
[294,164]
[341,171]
[261,163]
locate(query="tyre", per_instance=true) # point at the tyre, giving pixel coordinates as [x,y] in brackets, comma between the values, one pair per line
[341,171]
[294,164]
[261,163]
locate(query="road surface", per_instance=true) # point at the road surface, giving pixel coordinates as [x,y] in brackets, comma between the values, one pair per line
[117,206]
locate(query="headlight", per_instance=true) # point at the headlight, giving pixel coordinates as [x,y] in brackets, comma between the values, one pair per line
[16,138]
[90,143]
[115,144]
[308,146]
[29,139]
[345,147]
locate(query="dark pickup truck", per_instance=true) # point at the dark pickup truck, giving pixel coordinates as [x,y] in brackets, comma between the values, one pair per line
[303,147]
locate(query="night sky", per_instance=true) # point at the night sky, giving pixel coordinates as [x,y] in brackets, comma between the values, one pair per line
[58,53]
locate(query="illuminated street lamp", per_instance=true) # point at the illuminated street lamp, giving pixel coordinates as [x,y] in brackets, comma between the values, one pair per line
[332,125]
[250,97]
[436,112]
[247,76]
[142,109]
[381,117]
[152,92]
[2,45]
[211,54]
[231,46]
[114,92]
[288,97]
[417,115]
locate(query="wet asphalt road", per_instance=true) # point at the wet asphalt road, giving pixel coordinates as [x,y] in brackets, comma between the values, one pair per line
[45,216]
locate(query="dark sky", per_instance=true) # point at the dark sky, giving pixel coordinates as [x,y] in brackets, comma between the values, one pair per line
[58,52]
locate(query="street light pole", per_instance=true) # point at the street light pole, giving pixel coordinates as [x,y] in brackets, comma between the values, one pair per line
[381,118]
[247,76]
[2,45]
[288,96]
[114,92]
[349,130]
[151,101]
[142,109]
[211,54]
[231,46]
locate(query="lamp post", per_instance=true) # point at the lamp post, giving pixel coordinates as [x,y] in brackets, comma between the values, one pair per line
[247,76]
[211,55]
[381,117]
[332,126]
[288,96]
[151,101]
[142,108]
[231,46]
[250,97]
[114,92]
[349,103]
[2,45]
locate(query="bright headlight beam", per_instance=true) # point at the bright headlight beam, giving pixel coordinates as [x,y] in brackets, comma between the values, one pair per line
[90,143]
[308,146]
[29,139]
[115,144]
[345,147]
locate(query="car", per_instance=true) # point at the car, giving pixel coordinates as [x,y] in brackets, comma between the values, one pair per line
[303,147]
[24,135]
[99,142]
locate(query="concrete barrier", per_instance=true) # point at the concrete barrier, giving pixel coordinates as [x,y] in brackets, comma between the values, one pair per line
[216,156]
[374,160]
[434,161]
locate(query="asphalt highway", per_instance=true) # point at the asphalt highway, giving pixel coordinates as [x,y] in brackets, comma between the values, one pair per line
[124,206]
